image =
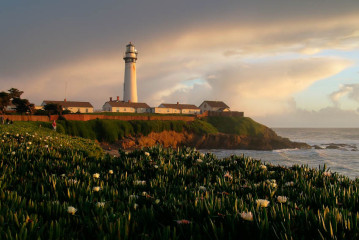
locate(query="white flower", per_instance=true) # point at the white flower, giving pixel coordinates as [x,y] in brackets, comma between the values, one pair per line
[27,148]
[71,210]
[144,194]
[63,175]
[131,197]
[289,184]
[248,216]
[135,206]
[139,182]
[147,153]
[227,175]
[96,175]
[13,153]
[156,166]
[263,167]
[46,146]
[157,201]
[100,204]
[202,188]
[262,202]
[96,189]
[327,174]
[199,160]
[29,143]
[72,181]
[110,171]
[282,199]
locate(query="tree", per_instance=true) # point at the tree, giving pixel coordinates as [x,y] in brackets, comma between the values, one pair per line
[15,93]
[23,106]
[53,108]
[4,101]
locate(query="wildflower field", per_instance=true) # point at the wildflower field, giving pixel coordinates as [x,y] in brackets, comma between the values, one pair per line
[53,186]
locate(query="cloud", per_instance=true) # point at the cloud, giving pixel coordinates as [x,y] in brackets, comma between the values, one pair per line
[328,117]
[347,90]
[261,88]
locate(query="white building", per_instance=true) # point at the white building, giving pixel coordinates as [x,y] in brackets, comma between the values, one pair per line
[178,108]
[72,106]
[130,82]
[214,106]
[164,110]
[125,107]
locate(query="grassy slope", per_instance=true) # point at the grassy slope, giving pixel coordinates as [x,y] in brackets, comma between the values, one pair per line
[114,130]
[43,173]
[237,125]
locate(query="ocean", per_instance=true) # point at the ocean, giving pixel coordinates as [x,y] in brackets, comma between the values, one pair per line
[337,148]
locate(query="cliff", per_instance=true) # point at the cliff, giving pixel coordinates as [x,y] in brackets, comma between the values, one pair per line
[211,141]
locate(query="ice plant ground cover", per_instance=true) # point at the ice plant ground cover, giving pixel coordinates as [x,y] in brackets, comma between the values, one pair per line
[47,183]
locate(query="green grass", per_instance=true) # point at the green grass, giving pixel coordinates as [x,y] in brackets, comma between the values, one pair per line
[161,193]
[237,125]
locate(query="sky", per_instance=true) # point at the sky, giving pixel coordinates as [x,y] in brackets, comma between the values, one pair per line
[283,63]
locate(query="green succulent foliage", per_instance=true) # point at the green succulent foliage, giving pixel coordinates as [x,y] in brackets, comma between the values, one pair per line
[53,186]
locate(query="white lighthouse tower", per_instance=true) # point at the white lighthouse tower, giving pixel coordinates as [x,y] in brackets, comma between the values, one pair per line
[130,84]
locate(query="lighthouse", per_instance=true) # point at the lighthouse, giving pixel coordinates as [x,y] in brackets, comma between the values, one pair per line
[130,83]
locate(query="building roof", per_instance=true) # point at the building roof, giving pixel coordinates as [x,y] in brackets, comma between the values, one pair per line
[128,104]
[216,104]
[67,104]
[179,106]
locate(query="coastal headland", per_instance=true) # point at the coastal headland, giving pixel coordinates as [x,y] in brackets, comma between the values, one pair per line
[137,131]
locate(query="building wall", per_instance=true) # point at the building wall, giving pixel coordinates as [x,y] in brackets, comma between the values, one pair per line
[143,110]
[123,109]
[164,110]
[204,107]
[79,109]
[191,111]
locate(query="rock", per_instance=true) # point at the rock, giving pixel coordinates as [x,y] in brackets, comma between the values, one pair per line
[317,147]
[174,139]
[332,146]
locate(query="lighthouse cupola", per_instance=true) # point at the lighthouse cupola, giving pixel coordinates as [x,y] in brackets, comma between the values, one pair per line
[131,53]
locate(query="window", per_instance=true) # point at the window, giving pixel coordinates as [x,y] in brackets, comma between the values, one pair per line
[118,110]
[87,110]
[124,109]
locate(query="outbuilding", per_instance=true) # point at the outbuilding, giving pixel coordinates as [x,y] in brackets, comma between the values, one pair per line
[72,106]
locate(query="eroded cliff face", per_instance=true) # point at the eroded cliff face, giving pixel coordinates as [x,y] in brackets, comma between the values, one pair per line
[173,139]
